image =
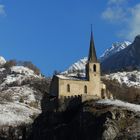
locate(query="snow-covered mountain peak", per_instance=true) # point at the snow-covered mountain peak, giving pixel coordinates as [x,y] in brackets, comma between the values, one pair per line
[116,47]
[78,66]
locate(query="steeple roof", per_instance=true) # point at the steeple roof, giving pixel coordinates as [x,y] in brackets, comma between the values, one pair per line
[92,52]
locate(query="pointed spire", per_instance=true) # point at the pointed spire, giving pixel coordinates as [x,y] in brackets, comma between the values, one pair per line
[92,53]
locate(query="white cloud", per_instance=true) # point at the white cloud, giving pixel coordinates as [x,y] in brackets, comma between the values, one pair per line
[2,10]
[133,24]
[116,1]
[114,14]
[117,11]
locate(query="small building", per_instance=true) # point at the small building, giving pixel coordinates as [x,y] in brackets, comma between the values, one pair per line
[89,87]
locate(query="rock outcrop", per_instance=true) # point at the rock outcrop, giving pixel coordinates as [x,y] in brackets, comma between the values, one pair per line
[88,121]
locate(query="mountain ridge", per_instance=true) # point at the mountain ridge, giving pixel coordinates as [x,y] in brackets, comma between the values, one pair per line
[127,59]
[80,64]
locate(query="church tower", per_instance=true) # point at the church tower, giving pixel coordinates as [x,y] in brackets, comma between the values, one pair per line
[92,66]
[63,86]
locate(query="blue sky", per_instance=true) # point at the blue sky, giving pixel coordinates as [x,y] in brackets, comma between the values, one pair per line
[53,34]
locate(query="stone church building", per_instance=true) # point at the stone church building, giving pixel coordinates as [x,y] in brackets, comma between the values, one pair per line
[89,87]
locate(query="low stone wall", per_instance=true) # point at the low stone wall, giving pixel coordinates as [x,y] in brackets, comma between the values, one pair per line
[69,102]
[89,97]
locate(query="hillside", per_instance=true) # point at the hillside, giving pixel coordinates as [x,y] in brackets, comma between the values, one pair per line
[20,99]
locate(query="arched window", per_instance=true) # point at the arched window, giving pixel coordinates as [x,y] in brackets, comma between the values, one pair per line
[85,89]
[68,88]
[103,94]
[94,68]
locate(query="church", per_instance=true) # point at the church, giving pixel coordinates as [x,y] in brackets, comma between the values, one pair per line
[89,87]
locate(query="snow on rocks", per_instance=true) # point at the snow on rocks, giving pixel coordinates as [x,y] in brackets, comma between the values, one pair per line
[129,78]
[23,70]
[16,114]
[2,69]
[19,74]
[119,103]
[19,102]
[2,61]
[15,94]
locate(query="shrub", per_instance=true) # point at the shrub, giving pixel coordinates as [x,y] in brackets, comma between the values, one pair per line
[30,65]
[122,92]
[21,100]
[10,63]
[33,104]
[6,97]
[27,64]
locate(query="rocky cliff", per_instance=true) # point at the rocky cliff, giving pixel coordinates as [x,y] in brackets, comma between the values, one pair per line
[88,121]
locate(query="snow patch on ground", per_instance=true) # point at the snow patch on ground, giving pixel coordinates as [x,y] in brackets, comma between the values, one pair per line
[119,103]
[27,94]
[19,101]
[16,114]
[2,69]
[23,70]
